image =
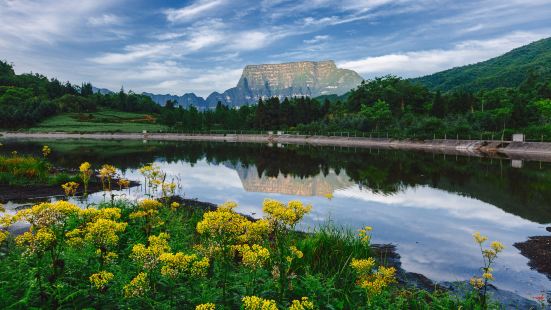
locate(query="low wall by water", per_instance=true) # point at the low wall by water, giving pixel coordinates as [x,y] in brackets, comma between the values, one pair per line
[514,150]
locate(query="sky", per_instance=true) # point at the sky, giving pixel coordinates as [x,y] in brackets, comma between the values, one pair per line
[202,46]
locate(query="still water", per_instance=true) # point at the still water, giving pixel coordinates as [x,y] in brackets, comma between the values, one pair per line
[427,204]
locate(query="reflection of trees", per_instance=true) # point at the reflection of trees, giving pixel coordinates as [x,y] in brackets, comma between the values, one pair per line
[525,192]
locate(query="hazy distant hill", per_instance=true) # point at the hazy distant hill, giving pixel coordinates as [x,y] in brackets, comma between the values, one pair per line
[507,70]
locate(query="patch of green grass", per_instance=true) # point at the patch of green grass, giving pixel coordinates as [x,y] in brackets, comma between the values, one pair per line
[100,121]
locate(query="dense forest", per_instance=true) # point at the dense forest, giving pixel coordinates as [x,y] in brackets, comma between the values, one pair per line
[385,106]
[401,108]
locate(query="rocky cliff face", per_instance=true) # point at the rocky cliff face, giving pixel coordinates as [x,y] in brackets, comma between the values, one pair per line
[305,78]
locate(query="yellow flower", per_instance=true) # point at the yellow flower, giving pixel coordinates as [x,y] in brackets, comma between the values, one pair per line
[100,279]
[84,167]
[479,238]
[477,283]
[46,150]
[363,266]
[254,256]
[47,214]
[174,205]
[303,304]
[223,223]
[43,240]
[3,236]
[257,303]
[207,306]
[497,246]
[107,172]
[176,264]
[282,214]
[123,183]
[137,287]
[70,188]
[256,231]
[488,276]
[150,256]
[103,232]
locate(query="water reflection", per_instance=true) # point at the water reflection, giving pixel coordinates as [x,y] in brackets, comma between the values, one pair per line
[426,204]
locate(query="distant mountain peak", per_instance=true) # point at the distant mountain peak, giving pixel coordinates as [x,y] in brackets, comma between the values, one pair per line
[291,79]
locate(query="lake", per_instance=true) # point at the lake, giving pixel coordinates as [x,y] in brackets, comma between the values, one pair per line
[427,204]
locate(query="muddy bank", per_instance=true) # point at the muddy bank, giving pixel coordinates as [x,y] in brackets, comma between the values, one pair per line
[514,150]
[26,193]
[538,250]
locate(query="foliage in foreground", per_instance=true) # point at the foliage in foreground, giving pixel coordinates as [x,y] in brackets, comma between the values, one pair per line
[156,253]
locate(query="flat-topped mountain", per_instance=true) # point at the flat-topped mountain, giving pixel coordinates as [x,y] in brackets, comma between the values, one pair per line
[304,78]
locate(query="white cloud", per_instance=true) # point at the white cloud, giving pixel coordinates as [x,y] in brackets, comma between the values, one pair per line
[31,22]
[105,20]
[317,39]
[133,53]
[417,63]
[193,11]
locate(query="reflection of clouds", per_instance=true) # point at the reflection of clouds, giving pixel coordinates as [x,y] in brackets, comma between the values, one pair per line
[425,197]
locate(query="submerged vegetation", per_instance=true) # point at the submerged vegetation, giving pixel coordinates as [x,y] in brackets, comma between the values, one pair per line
[161,253]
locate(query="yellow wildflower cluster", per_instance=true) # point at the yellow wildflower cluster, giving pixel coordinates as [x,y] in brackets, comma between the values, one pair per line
[477,282]
[107,173]
[180,263]
[489,255]
[148,209]
[3,236]
[85,174]
[302,304]
[174,205]
[365,234]
[257,303]
[123,183]
[99,280]
[43,240]
[372,282]
[255,231]
[168,189]
[70,188]
[290,214]
[137,287]
[154,176]
[47,214]
[254,256]
[46,150]
[150,256]
[223,223]
[103,232]
[295,253]
[92,214]
[207,306]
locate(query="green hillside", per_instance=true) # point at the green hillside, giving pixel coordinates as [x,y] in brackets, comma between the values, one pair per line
[508,70]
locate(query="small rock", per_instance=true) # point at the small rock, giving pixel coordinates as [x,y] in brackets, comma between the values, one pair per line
[548,229]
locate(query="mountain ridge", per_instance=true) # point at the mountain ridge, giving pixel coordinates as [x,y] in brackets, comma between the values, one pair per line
[507,70]
[290,79]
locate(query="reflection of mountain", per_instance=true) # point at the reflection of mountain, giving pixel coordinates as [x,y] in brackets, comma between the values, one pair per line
[318,185]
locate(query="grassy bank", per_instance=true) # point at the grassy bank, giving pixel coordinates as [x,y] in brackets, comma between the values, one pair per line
[159,254]
[104,120]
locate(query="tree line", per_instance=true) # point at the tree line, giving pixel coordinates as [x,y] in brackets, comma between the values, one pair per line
[26,99]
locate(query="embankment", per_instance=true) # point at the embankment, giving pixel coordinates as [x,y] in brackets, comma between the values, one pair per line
[513,150]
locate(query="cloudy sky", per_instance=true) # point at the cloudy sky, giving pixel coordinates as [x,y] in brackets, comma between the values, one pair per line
[201,46]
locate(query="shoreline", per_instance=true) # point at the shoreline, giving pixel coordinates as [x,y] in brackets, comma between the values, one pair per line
[529,151]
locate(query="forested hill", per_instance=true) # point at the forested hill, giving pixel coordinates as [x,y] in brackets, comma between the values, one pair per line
[508,70]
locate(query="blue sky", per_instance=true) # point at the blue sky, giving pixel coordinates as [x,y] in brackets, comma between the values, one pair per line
[201,46]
